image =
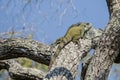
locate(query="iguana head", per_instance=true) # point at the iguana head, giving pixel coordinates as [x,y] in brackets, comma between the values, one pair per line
[87,26]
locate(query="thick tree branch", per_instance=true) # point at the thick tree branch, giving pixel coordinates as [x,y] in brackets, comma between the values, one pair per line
[113,5]
[85,65]
[67,62]
[17,72]
[108,46]
[14,48]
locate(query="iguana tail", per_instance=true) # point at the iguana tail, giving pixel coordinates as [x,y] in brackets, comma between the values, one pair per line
[62,44]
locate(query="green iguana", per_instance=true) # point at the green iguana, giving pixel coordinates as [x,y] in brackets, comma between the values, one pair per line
[74,33]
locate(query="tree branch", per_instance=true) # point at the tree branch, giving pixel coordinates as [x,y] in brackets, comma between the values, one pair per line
[108,46]
[14,48]
[17,72]
[67,62]
[113,5]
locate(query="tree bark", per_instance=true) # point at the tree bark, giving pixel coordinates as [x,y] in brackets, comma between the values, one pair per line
[64,67]
[108,46]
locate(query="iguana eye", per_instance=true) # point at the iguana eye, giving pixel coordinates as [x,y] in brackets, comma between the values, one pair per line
[78,24]
[87,23]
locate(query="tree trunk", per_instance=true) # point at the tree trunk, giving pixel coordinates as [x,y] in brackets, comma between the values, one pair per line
[108,46]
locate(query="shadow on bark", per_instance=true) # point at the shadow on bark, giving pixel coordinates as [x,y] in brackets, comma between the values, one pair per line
[60,71]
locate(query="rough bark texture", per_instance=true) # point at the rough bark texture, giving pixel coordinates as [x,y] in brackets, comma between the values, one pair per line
[108,47]
[65,66]
[17,72]
[14,48]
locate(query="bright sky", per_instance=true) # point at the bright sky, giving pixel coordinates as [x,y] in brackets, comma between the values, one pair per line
[49,19]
